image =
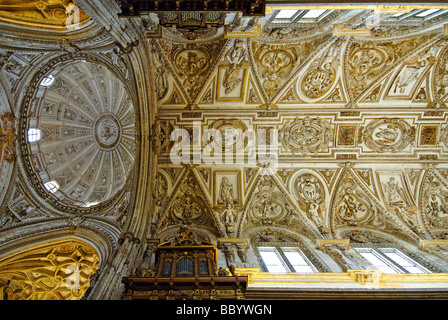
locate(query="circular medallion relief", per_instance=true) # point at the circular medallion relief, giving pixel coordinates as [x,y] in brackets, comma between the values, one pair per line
[107,131]
[388,135]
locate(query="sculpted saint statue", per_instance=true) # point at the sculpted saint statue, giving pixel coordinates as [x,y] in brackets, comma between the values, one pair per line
[225,192]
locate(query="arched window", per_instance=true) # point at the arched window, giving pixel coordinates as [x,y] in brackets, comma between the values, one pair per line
[34,135]
[285,259]
[391,260]
[185,268]
[52,186]
[47,81]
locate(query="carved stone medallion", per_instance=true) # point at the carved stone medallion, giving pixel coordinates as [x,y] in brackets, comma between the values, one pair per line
[306,135]
[107,131]
[268,205]
[309,189]
[388,135]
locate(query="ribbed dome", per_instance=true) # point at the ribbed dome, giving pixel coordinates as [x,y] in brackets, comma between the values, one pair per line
[87,145]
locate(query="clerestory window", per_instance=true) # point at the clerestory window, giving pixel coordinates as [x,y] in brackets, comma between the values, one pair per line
[391,260]
[285,259]
[34,135]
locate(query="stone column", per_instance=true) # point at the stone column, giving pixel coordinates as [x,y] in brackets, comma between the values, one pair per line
[109,285]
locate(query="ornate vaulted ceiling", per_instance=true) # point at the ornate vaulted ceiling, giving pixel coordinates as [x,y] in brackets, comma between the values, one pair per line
[354,97]
[357,98]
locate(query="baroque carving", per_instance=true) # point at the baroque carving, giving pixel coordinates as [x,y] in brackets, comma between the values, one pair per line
[44,14]
[189,204]
[434,204]
[306,135]
[441,78]
[234,74]
[8,137]
[444,136]
[229,217]
[275,64]
[367,60]
[232,134]
[60,270]
[351,207]
[268,205]
[161,73]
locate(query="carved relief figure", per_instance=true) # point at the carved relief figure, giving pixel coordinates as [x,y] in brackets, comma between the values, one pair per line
[387,135]
[433,200]
[160,189]
[8,137]
[436,209]
[161,77]
[226,192]
[410,218]
[351,208]
[314,215]
[318,81]
[394,193]
[232,73]
[408,77]
[229,216]
[441,77]
[310,192]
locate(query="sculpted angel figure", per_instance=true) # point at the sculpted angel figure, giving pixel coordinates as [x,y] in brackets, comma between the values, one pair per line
[229,214]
